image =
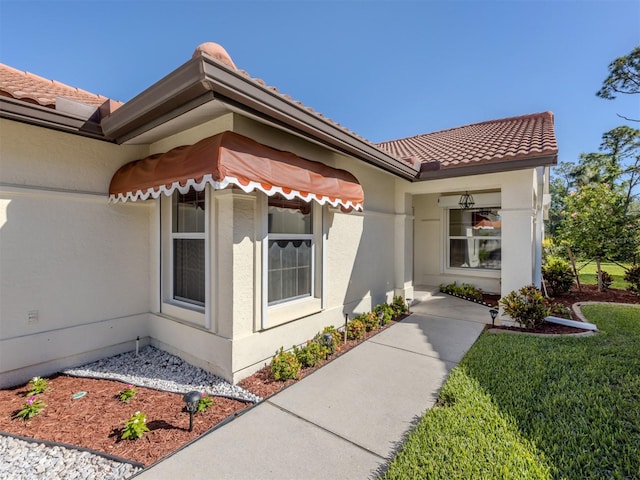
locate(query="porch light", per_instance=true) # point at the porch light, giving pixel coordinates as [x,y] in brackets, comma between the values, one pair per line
[191,399]
[494,313]
[466,201]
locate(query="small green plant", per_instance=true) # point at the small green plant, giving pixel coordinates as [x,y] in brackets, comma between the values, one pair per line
[310,354]
[387,312]
[633,277]
[370,321]
[557,275]
[37,385]
[127,394]
[285,365]
[135,427]
[31,408]
[527,306]
[466,290]
[559,310]
[205,402]
[399,306]
[355,329]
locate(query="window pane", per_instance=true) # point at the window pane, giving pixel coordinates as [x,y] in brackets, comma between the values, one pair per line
[289,270]
[188,212]
[475,253]
[475,223]
[289,216]
[188,270]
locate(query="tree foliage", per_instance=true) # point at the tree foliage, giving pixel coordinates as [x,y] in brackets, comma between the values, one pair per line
[596,225]
[623,78]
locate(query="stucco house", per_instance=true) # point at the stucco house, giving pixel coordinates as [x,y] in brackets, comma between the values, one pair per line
[218,219]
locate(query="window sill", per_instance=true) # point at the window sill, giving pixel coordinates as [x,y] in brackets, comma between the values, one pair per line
[185,312]
[474,272]
[289,311]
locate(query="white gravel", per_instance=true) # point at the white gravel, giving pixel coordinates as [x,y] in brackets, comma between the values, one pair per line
[154,368]
[151,368]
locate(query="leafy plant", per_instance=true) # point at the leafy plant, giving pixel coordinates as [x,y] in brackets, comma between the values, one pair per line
[387,312]
[370,321]
[310,354]
[205,402]
[399,306]
[557,275]
[355,329]
[633,277]
[527,306]
[31,408]
[135,427]
[37,385]
[127,394]
[465,290]
[285,365]
[607,279]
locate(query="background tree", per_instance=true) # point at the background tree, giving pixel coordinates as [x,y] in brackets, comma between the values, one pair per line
[624,78]
[596,226]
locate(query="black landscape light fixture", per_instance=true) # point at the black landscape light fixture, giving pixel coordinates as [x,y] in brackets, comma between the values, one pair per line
[381,317]
[466,201]
[494,313]
[191,399]
[327,339]
[409,305]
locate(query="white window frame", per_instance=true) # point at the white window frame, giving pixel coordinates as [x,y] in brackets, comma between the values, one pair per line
[183,310]
[450,202]
[283,311]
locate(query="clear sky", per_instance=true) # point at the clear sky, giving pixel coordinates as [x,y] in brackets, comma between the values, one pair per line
[383,69]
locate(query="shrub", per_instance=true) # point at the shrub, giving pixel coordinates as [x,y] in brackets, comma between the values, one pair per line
[465,290]
[285,365]
[558,275]
[607,279]
[399,306]
[633,277]
[370,321]
[527,306]
[135,427]
[337,336]
[310,354]
[355,329]
[387,312]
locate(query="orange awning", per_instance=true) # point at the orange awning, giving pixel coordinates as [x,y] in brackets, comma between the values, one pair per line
[232,159]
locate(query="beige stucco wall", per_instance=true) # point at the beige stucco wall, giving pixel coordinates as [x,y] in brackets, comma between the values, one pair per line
[74,280]
[517,211]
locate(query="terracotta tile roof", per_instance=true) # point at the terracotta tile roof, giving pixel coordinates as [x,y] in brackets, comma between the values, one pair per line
[34,89]
[507,139]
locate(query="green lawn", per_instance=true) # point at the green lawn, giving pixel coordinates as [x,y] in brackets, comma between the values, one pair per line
[524,407]
[588,273]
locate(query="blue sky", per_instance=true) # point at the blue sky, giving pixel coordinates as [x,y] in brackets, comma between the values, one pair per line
[383,69]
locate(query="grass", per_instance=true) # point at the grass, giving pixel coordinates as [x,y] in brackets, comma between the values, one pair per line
[523,407]
[588,274]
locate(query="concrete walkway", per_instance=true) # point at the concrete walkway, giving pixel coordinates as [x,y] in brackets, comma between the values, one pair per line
[346,420]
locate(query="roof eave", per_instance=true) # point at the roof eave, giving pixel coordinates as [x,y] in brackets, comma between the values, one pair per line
[191,85]
[493,167]
[21,111]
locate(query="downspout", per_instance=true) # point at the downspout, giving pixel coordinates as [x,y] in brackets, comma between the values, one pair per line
[539,227]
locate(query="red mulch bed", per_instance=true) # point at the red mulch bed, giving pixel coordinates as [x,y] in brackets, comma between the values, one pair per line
[95,421]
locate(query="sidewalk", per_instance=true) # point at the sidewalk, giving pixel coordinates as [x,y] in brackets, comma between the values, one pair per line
[345,420]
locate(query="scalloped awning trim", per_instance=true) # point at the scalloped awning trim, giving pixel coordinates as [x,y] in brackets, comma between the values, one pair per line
[232,159]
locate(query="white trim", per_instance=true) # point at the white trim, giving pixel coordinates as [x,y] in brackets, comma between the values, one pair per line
[35,191]
[155,192]
[481,200]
